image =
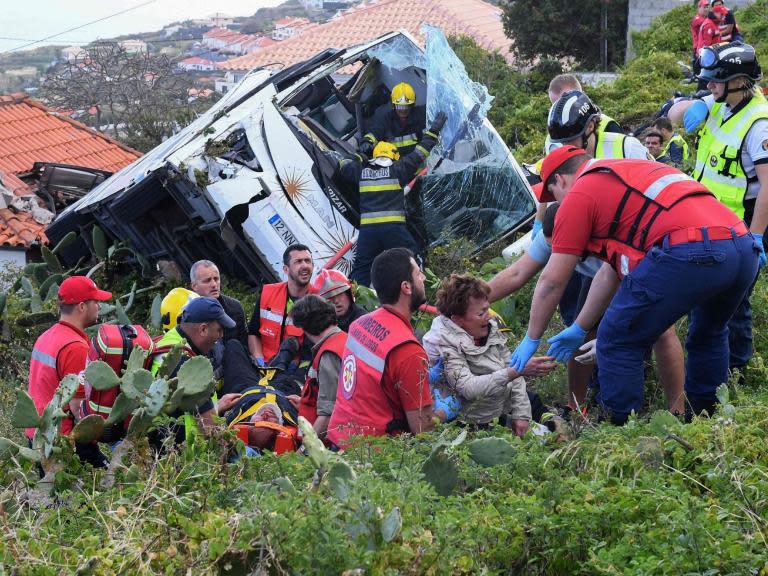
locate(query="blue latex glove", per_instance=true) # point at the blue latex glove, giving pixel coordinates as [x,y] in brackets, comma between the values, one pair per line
[537,226]
[524,351]
[695,115]
[564,345]
[759,239]
[448,404]
[436,372]
[259,361]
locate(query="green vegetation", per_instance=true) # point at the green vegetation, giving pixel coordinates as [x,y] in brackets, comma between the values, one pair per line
[571,30]
[653,497]
[520,108]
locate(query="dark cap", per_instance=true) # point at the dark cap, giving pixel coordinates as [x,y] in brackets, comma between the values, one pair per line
[206,310]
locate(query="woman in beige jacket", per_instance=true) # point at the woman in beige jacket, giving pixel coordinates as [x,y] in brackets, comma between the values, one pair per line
[476,356]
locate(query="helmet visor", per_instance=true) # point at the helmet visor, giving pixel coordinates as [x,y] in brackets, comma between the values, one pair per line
[708,57]
[403,106]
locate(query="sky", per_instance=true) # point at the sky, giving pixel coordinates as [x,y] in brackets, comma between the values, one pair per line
[24,20]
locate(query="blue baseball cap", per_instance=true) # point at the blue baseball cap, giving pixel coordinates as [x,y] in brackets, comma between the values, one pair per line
[206,310]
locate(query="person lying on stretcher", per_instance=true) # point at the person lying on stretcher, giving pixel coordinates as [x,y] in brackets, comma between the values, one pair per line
[266,418]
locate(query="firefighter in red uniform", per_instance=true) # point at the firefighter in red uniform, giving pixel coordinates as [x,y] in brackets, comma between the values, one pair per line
[384,383]
[63,349]
[317,317]
[271,322]
[670,249]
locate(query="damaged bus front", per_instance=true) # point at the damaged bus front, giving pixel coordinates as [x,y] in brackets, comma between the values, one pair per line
[256,172]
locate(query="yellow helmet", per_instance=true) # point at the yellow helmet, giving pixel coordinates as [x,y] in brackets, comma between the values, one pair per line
[386,150]
[173,304]
[403,95]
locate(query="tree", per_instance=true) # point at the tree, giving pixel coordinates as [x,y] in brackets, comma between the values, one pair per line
[142,98]
[568,29]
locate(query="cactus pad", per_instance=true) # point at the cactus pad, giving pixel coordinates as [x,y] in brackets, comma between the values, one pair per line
[156,397]
[121,409]
[25,414]
[101,376]
[89,429]
[195,375]
[136,384]
[491,451]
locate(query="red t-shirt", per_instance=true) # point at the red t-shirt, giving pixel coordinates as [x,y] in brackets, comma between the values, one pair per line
[406,374]
[589,208]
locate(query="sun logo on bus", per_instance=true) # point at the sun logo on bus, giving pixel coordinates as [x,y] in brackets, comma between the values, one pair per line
[295,183]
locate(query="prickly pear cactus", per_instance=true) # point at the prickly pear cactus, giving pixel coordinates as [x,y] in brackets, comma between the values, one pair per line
[25,414]
[156,397]
[101,376]
[136,359]
[195,375]
[140,424]
[313,445]
[441,471]
[136,384]
[491,451]
[170,360]
[121,409]
[89,429]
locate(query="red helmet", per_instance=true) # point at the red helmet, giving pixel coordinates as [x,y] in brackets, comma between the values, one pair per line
[331,282]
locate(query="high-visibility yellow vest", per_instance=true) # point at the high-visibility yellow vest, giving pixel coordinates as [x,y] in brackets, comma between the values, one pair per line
[609,145]
[680,141]
[171,338]
[604,121]
[718,158]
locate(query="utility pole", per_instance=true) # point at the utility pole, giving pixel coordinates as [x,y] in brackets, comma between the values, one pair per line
[604,35]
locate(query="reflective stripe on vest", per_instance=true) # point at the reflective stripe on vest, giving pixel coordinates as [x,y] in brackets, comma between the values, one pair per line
[680,141]
[379,185]
[609,145]
[381,196]
[43,358]
[405,140]
[718,159]
[361,406]
[660,186]
[273,330]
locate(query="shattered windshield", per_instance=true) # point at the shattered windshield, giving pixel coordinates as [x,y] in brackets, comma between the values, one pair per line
[473,187]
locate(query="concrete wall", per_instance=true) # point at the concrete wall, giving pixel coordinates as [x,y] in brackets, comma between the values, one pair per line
[642,13]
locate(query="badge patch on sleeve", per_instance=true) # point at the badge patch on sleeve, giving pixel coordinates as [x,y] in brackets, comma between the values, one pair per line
[765,145]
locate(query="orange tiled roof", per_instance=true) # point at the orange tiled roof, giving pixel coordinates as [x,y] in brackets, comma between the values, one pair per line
[29,133]
[19,229]
[475,18]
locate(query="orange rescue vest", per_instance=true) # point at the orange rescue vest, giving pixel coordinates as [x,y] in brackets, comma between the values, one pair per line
[44,377]
[659,187]
[273,326]
[308,408]
[361,406]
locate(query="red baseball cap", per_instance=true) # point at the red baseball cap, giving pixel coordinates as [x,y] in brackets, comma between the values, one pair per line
[703,3]
[552,162]
[720,9]
[76,289]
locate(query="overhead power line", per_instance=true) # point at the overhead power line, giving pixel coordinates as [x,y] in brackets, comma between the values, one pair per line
[27,45]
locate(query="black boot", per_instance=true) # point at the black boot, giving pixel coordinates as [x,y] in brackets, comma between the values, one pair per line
[697,405]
